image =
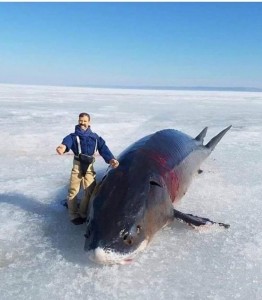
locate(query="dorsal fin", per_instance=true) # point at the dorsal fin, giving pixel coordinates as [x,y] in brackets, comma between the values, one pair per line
[214,141]
[201,135]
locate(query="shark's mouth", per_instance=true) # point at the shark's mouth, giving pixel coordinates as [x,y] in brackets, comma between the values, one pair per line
[106,256]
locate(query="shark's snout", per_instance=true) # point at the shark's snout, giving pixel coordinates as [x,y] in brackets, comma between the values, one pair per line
[108,256]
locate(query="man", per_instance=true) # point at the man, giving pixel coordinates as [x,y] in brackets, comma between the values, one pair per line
[84,143]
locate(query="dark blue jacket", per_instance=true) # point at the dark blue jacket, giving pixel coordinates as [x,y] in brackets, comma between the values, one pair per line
[88,143]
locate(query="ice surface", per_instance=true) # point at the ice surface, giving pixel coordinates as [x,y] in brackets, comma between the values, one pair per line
[41,253]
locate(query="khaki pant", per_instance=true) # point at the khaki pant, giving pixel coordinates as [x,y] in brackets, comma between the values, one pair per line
[77,181]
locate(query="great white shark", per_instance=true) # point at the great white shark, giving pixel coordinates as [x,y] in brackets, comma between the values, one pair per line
[137,199]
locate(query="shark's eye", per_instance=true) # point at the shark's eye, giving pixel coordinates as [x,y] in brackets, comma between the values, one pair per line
[152,182]
[128,239]
[138,229]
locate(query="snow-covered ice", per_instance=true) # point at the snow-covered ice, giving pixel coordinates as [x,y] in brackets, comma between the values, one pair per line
[41,252]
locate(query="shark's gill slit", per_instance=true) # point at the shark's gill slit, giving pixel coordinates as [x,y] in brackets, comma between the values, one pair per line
[152,182]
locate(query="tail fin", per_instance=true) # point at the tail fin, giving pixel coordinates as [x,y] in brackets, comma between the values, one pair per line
[214,141]
[201,135]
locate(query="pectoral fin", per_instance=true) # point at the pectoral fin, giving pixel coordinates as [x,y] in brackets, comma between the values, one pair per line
[194,220]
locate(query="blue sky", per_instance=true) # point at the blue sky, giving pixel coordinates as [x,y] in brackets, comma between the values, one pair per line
[132,44]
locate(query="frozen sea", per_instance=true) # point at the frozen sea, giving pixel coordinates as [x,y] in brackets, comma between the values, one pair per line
[41,252]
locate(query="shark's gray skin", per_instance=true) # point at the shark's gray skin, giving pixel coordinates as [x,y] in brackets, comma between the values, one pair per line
[137,199]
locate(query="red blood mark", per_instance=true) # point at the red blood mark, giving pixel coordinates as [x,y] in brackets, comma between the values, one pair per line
[171,177]
[155,156]
[173,184]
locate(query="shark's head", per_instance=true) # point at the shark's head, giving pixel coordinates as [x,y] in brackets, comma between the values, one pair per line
[127,209]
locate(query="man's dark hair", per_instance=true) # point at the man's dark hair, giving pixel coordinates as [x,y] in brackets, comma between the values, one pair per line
[83,114]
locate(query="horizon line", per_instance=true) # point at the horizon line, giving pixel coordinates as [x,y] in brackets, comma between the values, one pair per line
[150,87]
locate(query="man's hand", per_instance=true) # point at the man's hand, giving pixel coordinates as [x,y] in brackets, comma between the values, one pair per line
[114,163]
[61,149]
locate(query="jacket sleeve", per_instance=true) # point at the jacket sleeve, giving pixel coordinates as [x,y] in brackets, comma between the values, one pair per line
[68,142]
[104,150]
